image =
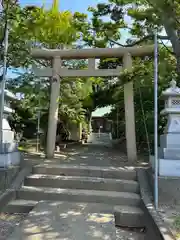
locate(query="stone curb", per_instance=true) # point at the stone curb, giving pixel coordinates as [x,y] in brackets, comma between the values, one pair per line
[20,178]
[10,193]
[147,197]
[7,196]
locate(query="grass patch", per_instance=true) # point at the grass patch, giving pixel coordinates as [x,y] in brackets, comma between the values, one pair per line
[176,223]
[29,145]
[176,226]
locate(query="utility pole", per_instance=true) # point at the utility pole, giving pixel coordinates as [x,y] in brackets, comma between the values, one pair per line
[156,118]
[3,82]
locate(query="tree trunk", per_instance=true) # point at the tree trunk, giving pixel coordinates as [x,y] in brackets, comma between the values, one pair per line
[174,37]
[178,55]
[178,67]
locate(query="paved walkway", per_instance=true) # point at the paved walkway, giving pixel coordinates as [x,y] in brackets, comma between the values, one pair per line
[95,156]
[73,221]
[85,155]
[98,152]
[67,221]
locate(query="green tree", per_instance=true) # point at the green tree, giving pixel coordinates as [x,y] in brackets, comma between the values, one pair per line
[143,77]
[34,26]
[140,19]
[143,17]
[35,96]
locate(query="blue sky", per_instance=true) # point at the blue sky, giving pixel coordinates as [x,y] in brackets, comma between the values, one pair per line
[72,5]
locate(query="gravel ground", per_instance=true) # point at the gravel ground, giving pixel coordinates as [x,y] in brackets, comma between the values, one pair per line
[8,222]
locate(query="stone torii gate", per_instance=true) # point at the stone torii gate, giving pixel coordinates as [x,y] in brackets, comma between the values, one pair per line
[57,71]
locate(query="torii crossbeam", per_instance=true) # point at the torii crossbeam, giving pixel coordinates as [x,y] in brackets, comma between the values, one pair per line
[57,71]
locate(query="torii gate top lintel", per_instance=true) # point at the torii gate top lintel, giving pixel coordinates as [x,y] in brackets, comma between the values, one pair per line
[93,52]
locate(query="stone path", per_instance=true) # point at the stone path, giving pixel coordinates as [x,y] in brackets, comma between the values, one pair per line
[67,221]
[83,155]
[8,222]
[78,220]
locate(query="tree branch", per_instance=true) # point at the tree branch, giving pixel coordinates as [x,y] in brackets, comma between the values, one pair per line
[167,48]
[151,36]
[41,63]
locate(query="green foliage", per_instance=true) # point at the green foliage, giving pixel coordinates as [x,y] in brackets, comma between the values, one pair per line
[48,28]
[34,26]
[109,18]
[36,97]
[176,223]
[143,77]
[144,16]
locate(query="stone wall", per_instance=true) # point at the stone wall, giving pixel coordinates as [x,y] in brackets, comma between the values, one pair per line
[169,189]
[7,176]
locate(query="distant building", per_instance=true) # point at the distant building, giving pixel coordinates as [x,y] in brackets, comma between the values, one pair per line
[100,121]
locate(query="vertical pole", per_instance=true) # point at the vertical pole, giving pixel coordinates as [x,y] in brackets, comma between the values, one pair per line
[38,121]
[91,64]
[53,108]
[38,130]
[129,113]
[3,83]
[156,118]
[117,122]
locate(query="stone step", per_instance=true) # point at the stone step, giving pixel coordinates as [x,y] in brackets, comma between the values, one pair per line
[19,206]
[76,182]
[128,173]
[76,195]
[124,234]
[128,216]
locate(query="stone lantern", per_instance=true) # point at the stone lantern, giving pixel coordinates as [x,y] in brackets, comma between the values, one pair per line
[9,154]
[169,150]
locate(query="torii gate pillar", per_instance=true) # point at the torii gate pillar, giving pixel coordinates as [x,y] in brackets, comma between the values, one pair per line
[90,54]
[129,113]
[53,107]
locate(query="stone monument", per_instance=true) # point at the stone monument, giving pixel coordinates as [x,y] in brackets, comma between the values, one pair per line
[9,154]
[169,150]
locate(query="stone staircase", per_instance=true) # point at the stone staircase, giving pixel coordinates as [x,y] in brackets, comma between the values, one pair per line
[105,190]
[103,139]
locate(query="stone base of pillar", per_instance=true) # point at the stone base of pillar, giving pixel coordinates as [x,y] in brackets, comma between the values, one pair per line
[168,155]
[9,155]
[170,140]
[9,159]
[166,167]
